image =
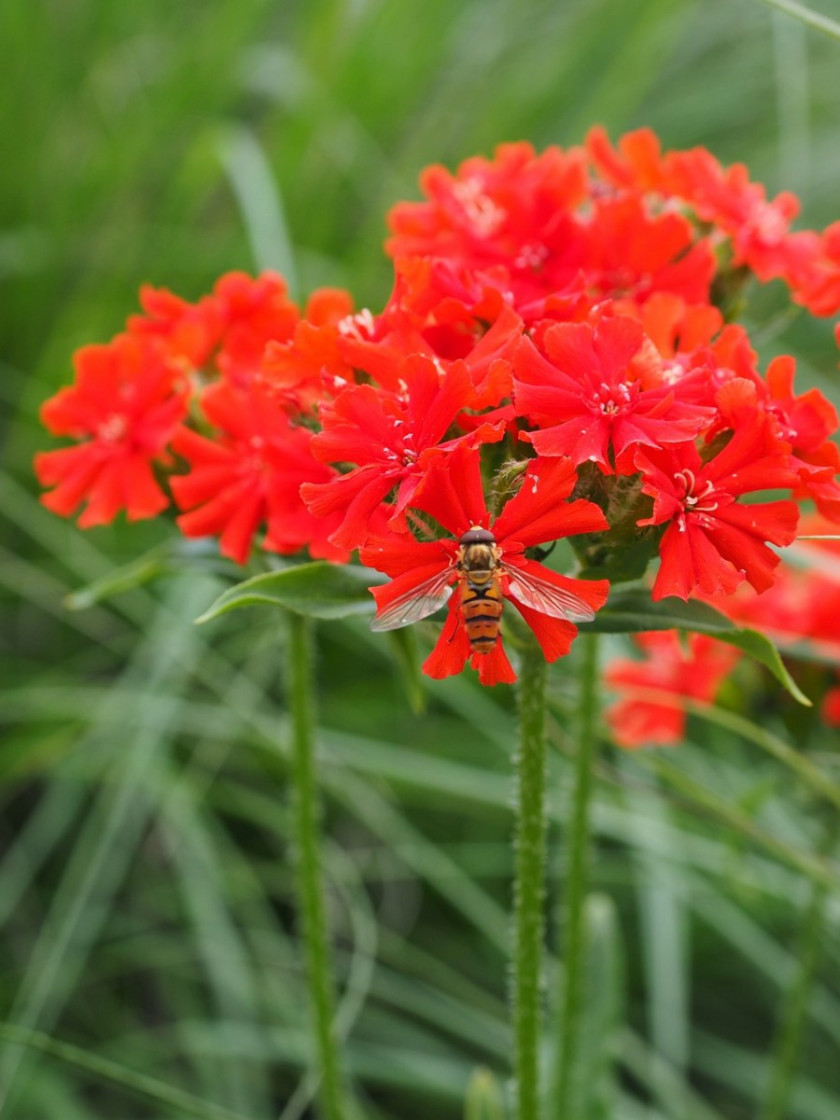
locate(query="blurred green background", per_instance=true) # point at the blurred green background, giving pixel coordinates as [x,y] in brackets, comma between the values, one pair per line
[145,879]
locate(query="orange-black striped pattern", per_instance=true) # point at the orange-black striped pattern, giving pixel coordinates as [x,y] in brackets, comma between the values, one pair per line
[481,594]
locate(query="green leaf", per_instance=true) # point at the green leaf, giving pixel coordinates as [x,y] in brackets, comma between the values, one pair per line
[763,650]
[317,590]
[633,611]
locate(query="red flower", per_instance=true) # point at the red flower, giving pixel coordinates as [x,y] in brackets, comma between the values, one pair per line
[226,331]
[386,434]
[736,208]
[187,332]
[806,422]
[124,407]
[452,493]
[727,198]
[254,312]
[458,313]
[694,668]
[524,213]
[819,286]
[636,165]
[513,211]
[631,253]
[712,542]
[599,391]
[315,360]
[250,475]
[675,327]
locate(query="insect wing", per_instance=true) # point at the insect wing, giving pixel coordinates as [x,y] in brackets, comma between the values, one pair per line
[540,595]
[421,601]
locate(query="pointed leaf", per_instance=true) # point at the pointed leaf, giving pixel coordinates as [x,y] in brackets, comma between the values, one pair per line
[632,611]
[760,647]
[317,590]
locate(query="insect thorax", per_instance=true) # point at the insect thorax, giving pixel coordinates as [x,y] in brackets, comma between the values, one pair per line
[478,562]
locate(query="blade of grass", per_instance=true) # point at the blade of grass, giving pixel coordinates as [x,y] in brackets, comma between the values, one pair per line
[603,1007]
[664,932]
[675,1094]
[744,1070]
[793,1013]
[807,16]
[258,195]
[793,100]
[166,1096]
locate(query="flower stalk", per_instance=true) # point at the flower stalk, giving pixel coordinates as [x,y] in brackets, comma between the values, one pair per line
[529,888]
[577,876]
[310,881]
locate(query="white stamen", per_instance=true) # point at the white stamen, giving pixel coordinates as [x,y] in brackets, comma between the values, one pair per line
[113,429]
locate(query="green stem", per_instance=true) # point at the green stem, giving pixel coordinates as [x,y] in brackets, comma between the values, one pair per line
[576,883]
[310,885]
[529,888]
[794,1007]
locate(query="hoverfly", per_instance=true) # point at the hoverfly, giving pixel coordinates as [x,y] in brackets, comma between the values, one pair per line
[479,569]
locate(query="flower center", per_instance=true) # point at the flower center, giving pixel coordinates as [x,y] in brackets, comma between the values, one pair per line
[480,210]
[403,448]
[532,255]
[113,429]
[409,447]
[784,427]
[673,371]
[769,225]
[254,458]
[610,399]
[360,326]
[697,499]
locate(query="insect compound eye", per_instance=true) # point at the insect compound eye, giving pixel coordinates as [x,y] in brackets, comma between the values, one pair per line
[477,535]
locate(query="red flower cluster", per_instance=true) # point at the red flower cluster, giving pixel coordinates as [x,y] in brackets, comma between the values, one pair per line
[799,613]
[551,350]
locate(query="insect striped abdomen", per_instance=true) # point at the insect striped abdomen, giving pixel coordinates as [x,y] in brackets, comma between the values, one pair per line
[481,611]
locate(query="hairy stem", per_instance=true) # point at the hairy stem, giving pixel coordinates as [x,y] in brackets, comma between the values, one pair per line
[529,888]
[574,949]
